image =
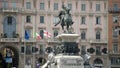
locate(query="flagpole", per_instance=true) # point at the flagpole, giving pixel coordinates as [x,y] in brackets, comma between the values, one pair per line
[34,45]
[24,44]
[23,33]
[25,47]
[24,52]
[26,38]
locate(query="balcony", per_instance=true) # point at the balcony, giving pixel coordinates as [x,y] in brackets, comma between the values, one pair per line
[30,11]
[49,11]
[99,41]
[28,25]
[111,52]
[4,38]
[83,40]
[9,10]
[114,10]
[9,39]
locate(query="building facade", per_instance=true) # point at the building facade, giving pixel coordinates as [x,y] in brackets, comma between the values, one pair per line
[33,16]
[113,33]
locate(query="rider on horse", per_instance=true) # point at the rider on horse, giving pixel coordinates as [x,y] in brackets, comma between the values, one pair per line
[65,18]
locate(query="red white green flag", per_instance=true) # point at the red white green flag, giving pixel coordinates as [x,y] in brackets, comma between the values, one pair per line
[37,36]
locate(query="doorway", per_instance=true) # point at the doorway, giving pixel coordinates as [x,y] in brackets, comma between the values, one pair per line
[9,57]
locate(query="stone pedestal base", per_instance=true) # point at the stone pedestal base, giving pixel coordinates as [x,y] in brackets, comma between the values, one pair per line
[65,61]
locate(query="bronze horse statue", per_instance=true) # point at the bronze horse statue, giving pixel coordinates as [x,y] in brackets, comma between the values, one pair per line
[65,18]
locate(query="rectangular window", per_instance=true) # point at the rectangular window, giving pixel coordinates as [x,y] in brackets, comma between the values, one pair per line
[13,5]
[83,20]
[104,5]
[48,4]
[97,20]
[90,5]
[98,50]
[5,4]
[76,5]
[22,49]
[41,19]
[115,19]
[83,35]
[55,6]
[97,7]
[115,60]
[115,47]
[28,19]
[70,5]
[115,6]
[83,7]
[98,34]
[83,49]
[55,20]
[41,6]
[9,20]
[28,5]
[115,33]
[28,49]
[41,49]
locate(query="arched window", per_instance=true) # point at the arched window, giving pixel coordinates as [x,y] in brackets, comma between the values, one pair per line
[98,61]
[55,33]
[98,35]
[83,35]
[9,26]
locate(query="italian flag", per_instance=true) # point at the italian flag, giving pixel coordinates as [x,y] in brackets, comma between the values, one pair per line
[37,36]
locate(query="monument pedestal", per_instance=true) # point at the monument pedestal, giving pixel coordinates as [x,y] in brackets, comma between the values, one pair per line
[71,60]
[69,45]
[68,56]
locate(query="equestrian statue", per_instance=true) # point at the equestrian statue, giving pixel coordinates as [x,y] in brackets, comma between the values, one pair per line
[65,19]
